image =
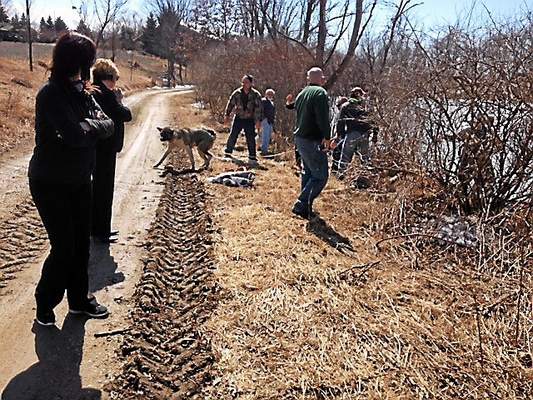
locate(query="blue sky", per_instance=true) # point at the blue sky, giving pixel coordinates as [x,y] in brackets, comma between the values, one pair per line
[429,12]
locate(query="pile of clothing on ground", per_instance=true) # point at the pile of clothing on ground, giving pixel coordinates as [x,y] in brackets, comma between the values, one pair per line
[234,179]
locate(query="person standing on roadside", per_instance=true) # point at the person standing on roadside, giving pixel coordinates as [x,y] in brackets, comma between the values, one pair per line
[68,124]
[312,139]
[109,97]
[245,104]
[269,116]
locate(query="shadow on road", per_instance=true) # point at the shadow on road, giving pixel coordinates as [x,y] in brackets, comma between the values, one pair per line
[57,373]
[102,268]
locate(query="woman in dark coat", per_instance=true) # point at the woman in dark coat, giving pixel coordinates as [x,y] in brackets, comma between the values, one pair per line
[105,77]
[68,125]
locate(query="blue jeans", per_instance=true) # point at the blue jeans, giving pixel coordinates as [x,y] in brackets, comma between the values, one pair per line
[353,142]
[266,133]
[315,172]
[248,125]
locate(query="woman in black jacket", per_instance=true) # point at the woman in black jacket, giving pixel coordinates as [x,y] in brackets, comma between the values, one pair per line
[105,77]
[68,124]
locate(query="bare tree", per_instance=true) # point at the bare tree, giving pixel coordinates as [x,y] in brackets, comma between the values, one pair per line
[171,14]
[30,44]
[106,11]
[324,24]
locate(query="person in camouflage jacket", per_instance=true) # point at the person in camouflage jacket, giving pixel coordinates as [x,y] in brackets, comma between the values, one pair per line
[245,104]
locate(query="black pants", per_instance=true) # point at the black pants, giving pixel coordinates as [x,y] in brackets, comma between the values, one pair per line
[103,188]
[237,126]
[65,210]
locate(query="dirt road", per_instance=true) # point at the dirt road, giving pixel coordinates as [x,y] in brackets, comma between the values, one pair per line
[68,362]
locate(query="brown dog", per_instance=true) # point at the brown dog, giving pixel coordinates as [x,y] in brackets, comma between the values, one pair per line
[201,138]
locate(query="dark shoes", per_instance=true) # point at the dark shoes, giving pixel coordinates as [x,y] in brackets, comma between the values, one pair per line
[106,238]
[91,309]
[303,212]
[45,318]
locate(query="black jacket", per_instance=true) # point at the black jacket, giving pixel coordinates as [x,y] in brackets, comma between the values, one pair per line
[64,152]
[269,110]
[117,112]
[352,117]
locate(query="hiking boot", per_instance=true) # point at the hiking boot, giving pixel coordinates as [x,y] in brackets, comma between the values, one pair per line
[303,212]
[91,309]
[45,318]
[252,162]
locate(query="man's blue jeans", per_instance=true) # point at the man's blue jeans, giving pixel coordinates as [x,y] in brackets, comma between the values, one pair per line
[353,142]
[315,173]
[266,133]
[237,126]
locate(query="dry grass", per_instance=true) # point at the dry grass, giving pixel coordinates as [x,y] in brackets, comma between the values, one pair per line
[307,313]
[17,101]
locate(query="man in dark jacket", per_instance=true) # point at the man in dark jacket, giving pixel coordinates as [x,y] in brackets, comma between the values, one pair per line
[105,76]
[353,129]
[312,139]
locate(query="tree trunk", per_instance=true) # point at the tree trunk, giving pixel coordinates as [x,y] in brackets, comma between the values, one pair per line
[354,41]
[30,49]
[307,21]
[180,73]
[322,33]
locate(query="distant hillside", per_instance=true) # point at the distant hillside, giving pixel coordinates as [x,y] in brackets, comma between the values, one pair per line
[18,85]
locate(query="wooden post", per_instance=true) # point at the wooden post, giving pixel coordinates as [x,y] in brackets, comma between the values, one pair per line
[30,50]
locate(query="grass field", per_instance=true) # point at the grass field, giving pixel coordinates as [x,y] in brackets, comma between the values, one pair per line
[333,309]
[18,86]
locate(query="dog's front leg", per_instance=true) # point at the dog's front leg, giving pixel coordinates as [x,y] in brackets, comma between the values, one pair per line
[191,156]
[165,155]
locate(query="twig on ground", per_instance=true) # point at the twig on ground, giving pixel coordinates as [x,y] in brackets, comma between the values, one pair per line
[365,268]
[112,332]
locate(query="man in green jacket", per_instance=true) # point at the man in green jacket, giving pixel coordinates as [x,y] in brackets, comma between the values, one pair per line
[312,139]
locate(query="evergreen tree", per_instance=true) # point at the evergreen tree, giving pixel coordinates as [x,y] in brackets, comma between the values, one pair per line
[22,22]
[46,35]
[42,25]
[50,23]
[127,37]
[60,26]
[83,28]
[149,35]
[15,21]
[3,14]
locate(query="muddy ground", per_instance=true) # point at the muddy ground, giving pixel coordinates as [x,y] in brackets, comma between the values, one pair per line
[69,362]
[166,355]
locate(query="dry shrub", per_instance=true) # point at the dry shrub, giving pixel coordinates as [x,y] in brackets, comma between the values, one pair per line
[218,71]
[457,105]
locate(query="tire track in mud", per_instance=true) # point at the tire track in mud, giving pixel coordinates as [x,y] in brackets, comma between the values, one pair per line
[22,240]
[165,355]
